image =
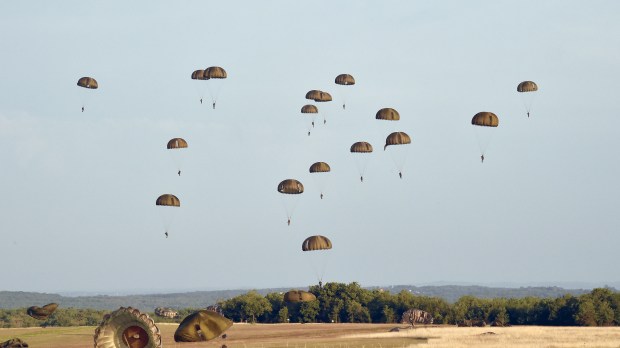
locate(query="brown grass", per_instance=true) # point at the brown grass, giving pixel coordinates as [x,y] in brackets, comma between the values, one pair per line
[348,336]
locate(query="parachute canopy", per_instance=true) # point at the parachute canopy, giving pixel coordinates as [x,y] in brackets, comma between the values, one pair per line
[177,143]
[344,79]
[316,243]
[88,82]
[361,147]
[168,200]
[309,109]
[14,343]
[198,75]
[290,186]
[397,138]
[527,86]
[215,72]
[319,167]
[41,313]
[203,325]
[387,114]
[295,296]
[485,119]
[318,96]
[127,327]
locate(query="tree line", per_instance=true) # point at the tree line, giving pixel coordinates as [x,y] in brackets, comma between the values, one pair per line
[350,303]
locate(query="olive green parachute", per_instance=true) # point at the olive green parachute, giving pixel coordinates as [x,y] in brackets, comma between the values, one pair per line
[295,296]
[215,72]
[14,343]
[290,186]
[41,313]
[345,79]
[88,82]
[199,75]
[319,167]
[397,138]
[168,200]
[176,143]
[127,327]
[485,119]
[316,243]
[387,114]
[361,147]
[309,109]
[527,86]
[203,325]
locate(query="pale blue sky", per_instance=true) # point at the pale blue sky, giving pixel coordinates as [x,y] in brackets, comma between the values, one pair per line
[79,189]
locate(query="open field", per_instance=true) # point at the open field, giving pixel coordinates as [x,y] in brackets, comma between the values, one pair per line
[349,336]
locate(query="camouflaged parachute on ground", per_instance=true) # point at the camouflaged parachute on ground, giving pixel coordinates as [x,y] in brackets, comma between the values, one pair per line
[296,296]
[316,243]
[41,313]
[127,327]
[397,138]
[527,86]
[485,119]
[203,325]
[14,343]
[291,187]
[88,82]
[387,114]
[168,200]
[176,143]
[344,79]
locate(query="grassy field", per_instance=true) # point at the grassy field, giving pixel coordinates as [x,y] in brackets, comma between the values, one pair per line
[348,336]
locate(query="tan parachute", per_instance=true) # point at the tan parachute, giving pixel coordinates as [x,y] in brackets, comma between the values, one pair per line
[397,138]
[296,296]
[484,124]
[399,153]
[176,143]
[312,111]
[88,83]
[203,325]
[387,114]
[360,151]
[127,328]
[168,200]
[177,156]
[199,75]
[528,98]
[344,80]
[320,170]
[316,243]
[215,75]
[41,313]
[291,189]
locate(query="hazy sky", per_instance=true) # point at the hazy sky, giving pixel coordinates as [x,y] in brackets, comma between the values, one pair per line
[79,189]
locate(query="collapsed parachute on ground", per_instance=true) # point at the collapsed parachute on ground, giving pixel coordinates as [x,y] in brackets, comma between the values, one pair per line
[387,114]
[295,296]
[524,88]
[127,327]
[41,313]
[88,82]
[316,243]
[203,325]
[14,343]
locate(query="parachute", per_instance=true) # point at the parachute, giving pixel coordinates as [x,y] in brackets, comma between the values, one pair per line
[14,343]
[167,201]
[387,114]
[319,97]
[199,75]
[360,151]
[344,80]
[127,327]
[484,124]
[216,76]
[203,325]
[295,296]
[312,111]
[525,88]
[291,189]
[177,156]
[41,313]
[399,154]
[88,83]
[320,169]
[317,248]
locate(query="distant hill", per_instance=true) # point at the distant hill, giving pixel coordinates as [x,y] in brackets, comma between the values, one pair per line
[201,299]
